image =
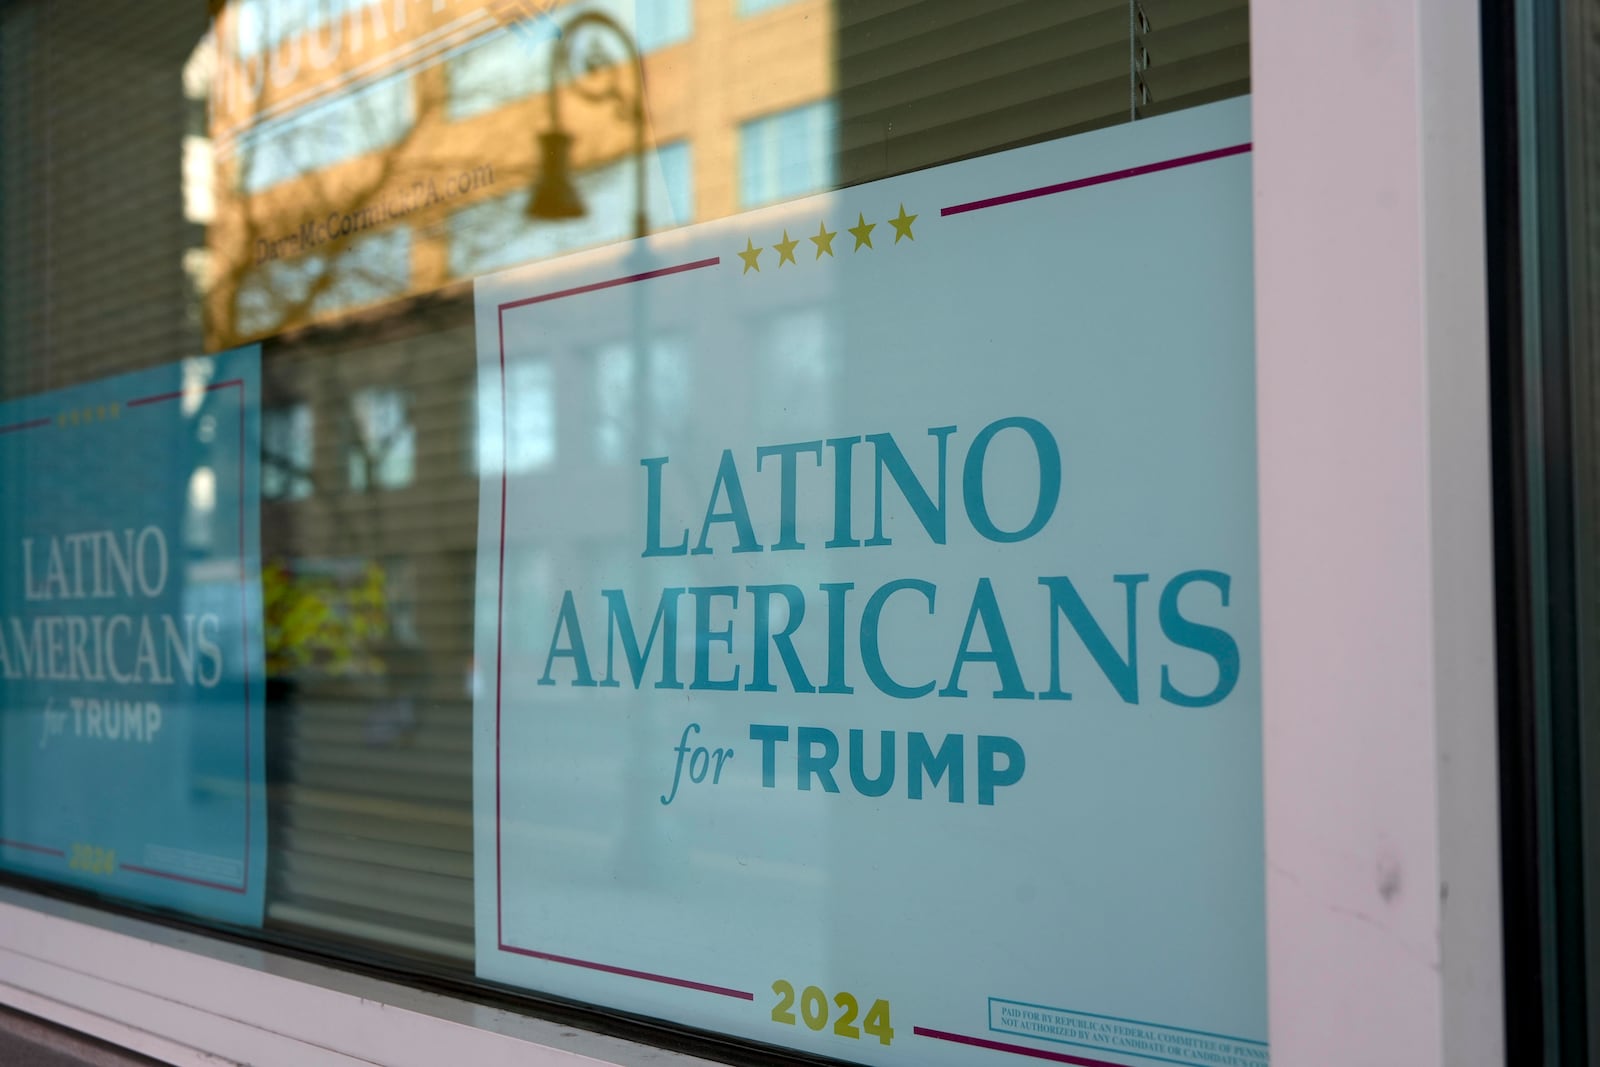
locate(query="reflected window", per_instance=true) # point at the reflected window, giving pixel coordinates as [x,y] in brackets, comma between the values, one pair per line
[197,519]
[500,67]
[400,598]
[663,22]
[787,155]
[286,450]
[344,126]
[796,368]
[263,24]
[668,390]
[372,268]
[753,7]
[613,402]
[617,408]
[511,63]
[383,440]
[495,234]
[529,583]
[530,413]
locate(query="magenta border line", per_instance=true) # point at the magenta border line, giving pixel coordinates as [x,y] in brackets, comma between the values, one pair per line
[1098,179]
[31,424]
[244,616]
[24,846]
[499,876]
[1016,1050]
[611,283]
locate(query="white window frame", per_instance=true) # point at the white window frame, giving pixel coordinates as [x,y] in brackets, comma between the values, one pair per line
[1383,904]
[1378,638]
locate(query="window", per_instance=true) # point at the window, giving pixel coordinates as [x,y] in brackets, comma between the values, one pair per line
[319,135]
[509,64]
[755,7]
[724,463]
[383,440]
[663,22]
[787,155]
[369,269]
[373,268]
[530,413]
[796,367]
[287,445]
[500,67]
[613,394]
[261,25]
[619,417]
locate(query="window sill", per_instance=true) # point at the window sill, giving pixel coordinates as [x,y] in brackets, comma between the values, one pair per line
[195,1000]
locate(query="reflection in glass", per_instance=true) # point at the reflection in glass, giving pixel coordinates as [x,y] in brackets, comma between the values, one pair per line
[264,24]
[670,391]
[512,63]
[787,155]
[753,7]
[493,234]
[418,121]
[613,388]
[797,375]
[369,269]
[286,448]
[382,451]
[343,128]
[530,412]
[202,502]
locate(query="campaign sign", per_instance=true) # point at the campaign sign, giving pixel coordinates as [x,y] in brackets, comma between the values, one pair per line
[868,650]
[131,755]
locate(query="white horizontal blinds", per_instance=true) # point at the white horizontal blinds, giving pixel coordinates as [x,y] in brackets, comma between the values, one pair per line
[922,82]
[370,824]
[372,838]
[354,862]
[1191,52]
[92,124]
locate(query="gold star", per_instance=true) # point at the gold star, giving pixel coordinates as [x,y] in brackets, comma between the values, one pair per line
[750,255]
[862,232]
[116,409]
[100,413]
[72,416]
[88,416]
[785,249]
[902,225]
[824,240]
[61,419]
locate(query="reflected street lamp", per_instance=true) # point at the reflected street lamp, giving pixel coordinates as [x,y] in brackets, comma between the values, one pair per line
[554,195]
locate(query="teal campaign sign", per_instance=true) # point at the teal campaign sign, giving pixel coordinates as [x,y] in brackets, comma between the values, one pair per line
[868,652]
[131,744]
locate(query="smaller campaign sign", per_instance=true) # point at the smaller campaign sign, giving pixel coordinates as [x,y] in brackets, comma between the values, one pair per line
[131,744]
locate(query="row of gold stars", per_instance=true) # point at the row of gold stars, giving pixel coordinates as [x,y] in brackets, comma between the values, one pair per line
[85,416]
[861,231]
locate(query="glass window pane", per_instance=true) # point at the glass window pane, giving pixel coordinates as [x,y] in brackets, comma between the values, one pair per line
[751,7]
[287,444]
[640,403]
[495,233]
[382,452]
